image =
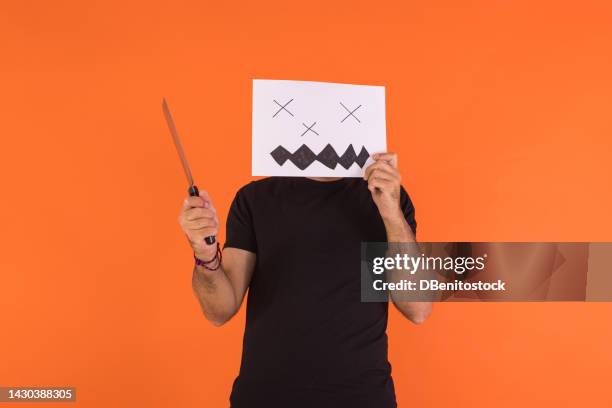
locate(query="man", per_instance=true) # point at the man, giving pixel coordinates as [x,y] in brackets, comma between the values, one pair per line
[295,243]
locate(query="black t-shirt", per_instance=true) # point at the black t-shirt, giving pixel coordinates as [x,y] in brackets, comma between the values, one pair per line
[309,341]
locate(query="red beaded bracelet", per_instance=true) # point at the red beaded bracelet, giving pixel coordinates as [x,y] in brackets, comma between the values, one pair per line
[218,256]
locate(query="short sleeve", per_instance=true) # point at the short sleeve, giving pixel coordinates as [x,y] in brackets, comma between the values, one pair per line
[408,209]
[239,230]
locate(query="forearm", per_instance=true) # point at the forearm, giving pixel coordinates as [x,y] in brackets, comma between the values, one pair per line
[398,231]
[397,228]
[214,291]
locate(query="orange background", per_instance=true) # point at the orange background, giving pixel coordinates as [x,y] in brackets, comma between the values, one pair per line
[500,112]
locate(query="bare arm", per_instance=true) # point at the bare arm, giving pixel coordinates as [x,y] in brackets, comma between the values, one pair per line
[384,181]
[398,230]
[220,292]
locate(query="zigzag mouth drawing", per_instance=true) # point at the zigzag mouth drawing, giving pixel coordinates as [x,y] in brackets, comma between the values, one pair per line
[304,157]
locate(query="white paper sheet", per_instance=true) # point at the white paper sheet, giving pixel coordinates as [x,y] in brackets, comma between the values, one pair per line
[316,129]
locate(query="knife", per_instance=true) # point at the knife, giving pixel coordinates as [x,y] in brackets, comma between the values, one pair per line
[193,189]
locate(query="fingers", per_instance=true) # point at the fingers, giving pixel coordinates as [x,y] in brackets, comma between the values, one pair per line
[377,174]
[192,202]
[382,169]
[201,224]
[389,157]
[203,200]
[206,197]
[198,219]
[381,184]
[198,223]
[199,212]
[383,175]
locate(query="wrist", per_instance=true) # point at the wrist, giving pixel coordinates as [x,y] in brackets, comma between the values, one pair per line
[206,254]
[392,217]
[397,228]
[211,263]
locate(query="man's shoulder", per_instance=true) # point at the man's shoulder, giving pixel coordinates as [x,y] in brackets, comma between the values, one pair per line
[259,183]
[254,187]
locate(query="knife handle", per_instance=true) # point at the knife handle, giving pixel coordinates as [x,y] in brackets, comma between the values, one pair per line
[194,192]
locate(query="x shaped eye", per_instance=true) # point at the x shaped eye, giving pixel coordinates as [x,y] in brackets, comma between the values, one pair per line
[282,107]
[309,129]
[350,113]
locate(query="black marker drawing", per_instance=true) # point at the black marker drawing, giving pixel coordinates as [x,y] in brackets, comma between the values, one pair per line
[282,107]
[350,113]
[309,128]
[304,157]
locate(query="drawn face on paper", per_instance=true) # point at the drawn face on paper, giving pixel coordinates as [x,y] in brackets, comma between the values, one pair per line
[316,129]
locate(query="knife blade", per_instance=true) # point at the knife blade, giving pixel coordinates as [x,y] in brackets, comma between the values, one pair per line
[193,189]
